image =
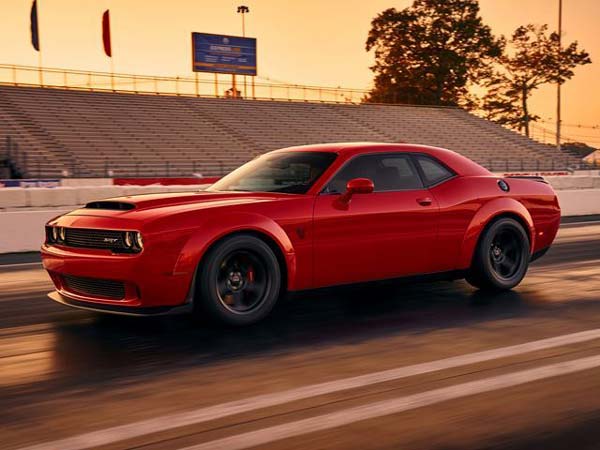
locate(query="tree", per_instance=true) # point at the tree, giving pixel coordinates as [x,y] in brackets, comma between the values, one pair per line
[430,52]
[534,58]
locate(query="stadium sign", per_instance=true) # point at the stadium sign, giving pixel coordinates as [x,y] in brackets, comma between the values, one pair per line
[223,54]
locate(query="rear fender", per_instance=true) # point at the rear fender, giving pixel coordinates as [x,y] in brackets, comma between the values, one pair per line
[486,214]
[211,231]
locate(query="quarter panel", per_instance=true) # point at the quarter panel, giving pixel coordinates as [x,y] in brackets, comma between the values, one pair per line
[468,204]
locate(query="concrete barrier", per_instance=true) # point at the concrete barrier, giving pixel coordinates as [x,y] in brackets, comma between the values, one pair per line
[71,196]
[89,194]
[80,182]
[573,182]
[75,196]
[60,196]
[579,202]
[22,229]
[11,197]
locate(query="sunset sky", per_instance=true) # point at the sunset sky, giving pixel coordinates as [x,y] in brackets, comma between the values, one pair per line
[305,42]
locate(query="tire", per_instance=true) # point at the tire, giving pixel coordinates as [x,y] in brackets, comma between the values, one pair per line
[502,256]
[239,281]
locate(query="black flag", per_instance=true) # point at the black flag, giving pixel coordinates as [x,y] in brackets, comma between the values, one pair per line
[35,38]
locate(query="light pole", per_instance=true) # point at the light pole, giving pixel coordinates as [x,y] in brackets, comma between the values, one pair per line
[243,10]
[558,145]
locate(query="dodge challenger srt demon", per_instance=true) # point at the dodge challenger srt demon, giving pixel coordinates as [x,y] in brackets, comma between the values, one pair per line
[296,219]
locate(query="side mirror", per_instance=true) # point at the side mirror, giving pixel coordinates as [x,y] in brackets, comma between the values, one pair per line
[359,186]
[354,186]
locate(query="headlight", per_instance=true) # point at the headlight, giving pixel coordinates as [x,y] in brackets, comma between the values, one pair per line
[54,234]
[128,239]
[138,240]
[133,240]
[62,233]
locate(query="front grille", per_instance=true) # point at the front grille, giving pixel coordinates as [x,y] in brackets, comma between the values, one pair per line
[88,238]
[95,287]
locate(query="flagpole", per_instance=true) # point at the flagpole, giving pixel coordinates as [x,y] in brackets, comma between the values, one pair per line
[558,118]
[40,71]
[112,74]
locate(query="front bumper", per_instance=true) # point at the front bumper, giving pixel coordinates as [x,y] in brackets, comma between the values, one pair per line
[120,309]
[150,285]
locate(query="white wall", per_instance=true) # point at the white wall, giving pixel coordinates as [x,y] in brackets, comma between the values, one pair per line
[23,229]
[579,202]
[574,182]
[76,196]
[72,196]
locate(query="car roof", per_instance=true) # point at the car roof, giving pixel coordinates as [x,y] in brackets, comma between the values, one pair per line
[459,163]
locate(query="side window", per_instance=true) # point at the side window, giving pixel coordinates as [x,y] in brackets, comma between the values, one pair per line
[388,173]
[433,171]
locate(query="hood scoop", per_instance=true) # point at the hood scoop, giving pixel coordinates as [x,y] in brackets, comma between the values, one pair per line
[110,205]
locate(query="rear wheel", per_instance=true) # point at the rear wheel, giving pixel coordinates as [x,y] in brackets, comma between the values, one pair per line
[502,256]
[240,281]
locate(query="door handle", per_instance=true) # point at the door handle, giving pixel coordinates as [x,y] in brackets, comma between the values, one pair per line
[425,201]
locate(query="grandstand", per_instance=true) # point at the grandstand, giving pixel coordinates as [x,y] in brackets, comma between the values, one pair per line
[92,134]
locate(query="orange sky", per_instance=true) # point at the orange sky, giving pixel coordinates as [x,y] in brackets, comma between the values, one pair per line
[304,41]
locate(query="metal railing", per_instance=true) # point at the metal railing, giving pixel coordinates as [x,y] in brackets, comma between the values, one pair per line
[22,164]
[201,85]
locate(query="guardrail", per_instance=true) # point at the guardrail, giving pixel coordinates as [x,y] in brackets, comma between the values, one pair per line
[21,164]
[201,85]
[24,166]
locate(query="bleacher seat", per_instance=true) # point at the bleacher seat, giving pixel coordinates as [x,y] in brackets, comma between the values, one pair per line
[91,133]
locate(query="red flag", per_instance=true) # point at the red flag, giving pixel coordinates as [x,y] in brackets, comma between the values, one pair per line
[106,33]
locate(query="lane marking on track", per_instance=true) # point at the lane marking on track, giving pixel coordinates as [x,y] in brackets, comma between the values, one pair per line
[394,406]
[585,223]
[20,265]
[168,422]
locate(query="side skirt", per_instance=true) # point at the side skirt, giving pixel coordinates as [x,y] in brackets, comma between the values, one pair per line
[424,278]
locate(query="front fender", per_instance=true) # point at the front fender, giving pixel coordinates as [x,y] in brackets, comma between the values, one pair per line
[484,215]
[211,231]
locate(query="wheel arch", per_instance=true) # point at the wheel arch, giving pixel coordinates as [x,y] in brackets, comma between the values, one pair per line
[267,239]
[488,214]
[211,234]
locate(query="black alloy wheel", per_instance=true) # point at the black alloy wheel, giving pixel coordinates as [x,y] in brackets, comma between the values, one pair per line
[239,281]
[242,281]
[502,256]
[506,253]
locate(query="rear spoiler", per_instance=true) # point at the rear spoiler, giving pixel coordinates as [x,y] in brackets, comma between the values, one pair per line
[529,177]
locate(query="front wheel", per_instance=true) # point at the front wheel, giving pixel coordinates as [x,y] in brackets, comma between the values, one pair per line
[239,281]
[502,256]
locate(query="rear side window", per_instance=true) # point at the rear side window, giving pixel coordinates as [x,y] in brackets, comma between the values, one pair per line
[389,172]
[433,171]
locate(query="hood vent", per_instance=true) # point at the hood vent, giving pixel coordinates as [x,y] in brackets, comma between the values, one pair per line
[115,206]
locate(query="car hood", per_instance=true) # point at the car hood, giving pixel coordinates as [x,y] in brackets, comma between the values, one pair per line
[138,205]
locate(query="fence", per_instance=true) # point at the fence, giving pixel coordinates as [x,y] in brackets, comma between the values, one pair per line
[22,164]
[202,85]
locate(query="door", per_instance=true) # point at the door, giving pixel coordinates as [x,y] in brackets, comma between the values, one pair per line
[388,233]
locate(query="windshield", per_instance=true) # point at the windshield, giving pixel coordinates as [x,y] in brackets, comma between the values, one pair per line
[291,172]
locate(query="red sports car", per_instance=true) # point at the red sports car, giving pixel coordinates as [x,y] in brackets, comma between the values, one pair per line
[301,218]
